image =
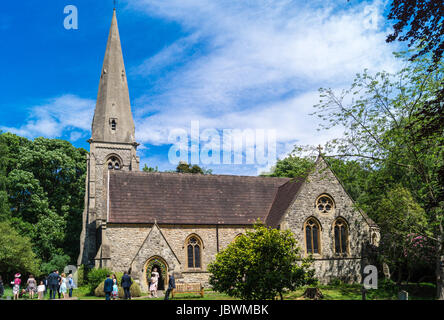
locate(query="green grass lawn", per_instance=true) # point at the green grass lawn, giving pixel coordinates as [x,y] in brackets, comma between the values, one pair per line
[422,291]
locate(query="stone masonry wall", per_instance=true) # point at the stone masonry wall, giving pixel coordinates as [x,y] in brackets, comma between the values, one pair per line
[328,264]
[127,244]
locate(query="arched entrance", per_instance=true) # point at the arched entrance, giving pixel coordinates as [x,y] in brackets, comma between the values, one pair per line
[162,268]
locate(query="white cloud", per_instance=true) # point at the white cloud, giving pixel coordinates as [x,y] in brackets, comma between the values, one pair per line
[241,64]
[259,64]
[65,114]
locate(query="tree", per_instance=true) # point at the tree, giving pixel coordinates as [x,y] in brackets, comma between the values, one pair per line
[58,262]
[262,264]
[45,185]
[16,254]
[399,217]
[421,23]
[184,167]
[380,116]
[4,205]
[293,166]
[150,169]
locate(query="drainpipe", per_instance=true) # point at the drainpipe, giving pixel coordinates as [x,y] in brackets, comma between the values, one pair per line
[217,237]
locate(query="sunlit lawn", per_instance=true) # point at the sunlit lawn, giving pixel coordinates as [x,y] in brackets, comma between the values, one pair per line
[422,291]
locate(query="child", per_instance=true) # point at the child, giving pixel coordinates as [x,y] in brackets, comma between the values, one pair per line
[32,284]
[16,288]
[115,292]
[41,290]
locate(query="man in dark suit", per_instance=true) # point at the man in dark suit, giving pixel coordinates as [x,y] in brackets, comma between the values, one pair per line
[171,286]
[59,283]
[108,287]
[53,281]
[126,285]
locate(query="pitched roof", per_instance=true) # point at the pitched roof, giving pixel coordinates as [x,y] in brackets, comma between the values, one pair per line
[284,197]
[180,198]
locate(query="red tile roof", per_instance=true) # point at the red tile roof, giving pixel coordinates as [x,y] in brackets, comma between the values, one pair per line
[180,198]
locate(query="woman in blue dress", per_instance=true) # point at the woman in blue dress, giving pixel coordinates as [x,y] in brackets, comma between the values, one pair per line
[63,288]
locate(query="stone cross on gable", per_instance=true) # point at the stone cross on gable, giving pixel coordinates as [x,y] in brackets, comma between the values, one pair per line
[319,149]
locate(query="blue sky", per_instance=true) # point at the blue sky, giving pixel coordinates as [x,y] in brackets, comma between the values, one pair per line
[228,64]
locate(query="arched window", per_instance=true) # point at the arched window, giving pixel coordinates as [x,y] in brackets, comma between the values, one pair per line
[325,204]
[312,236]
[113,163]
[194,246]
[341,236]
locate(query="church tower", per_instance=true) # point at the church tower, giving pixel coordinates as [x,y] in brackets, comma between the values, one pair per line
[112,147]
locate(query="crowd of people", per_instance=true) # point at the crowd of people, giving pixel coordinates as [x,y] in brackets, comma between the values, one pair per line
[60,285]
[111,286]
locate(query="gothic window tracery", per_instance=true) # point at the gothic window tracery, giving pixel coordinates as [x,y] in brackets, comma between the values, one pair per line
[325,204]
[312,236]
[113,163]
[341,236]
[194,246]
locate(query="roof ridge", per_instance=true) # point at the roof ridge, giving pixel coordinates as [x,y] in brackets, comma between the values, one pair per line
[199,175]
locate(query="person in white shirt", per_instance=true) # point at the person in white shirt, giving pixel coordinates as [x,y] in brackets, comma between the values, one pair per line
[41,290]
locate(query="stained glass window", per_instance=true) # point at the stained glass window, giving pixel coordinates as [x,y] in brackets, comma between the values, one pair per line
[193,251]
[312,236]
[341,235]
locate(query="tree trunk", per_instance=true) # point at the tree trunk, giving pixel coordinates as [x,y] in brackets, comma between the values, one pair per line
[313,293]
[280,294]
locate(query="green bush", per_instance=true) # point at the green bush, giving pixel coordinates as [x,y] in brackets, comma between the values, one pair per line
[135,288]
[96,276]
[387,289]
[58,262]
[335,282]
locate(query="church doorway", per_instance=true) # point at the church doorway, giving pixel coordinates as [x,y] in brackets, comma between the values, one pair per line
[160,264]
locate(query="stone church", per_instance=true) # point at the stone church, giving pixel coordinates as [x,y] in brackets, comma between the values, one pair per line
[135,220]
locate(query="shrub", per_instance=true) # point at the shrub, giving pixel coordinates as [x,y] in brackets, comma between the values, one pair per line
[135,288]
[335,282]
[260,265]
[96,276]
[58,262]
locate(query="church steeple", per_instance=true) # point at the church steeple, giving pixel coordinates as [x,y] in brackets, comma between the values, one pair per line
[113,121]
[112,147]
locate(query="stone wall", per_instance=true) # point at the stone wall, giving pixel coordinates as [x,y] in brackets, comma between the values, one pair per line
[95,198]
[131,246]
[328,264]
[347,270]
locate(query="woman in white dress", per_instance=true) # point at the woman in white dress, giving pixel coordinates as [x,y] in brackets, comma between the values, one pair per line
[154,283]
[63,287]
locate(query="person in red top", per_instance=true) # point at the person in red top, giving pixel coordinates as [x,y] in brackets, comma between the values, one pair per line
[16,288]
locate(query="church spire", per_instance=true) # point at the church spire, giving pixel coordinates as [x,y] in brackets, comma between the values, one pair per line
[113,121]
